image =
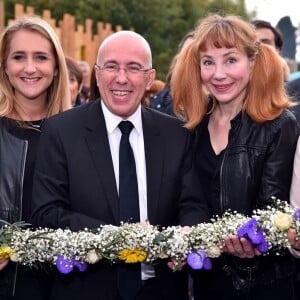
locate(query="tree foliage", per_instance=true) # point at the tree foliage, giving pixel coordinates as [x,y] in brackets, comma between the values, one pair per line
[162,22]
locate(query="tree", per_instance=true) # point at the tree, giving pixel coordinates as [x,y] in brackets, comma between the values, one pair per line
[162,22]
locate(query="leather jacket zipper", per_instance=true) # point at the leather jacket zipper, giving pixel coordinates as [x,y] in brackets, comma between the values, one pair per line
[25,148]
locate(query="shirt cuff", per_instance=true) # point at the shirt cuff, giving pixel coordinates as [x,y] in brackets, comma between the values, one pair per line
[295,253]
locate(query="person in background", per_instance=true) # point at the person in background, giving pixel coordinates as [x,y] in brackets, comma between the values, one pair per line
[293,235]
[295,199]
[86,141]
[75,79]
[229,88]
[270,35]
[86,79]
[94,92]
[150,94]
[85,94]
[293,90]
[86,72]
[34,81]
[163,100]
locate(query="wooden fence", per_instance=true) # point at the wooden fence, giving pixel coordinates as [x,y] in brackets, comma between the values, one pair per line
[78,42]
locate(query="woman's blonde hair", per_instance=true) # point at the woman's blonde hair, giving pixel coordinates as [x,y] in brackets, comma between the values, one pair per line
[265,95]
[58,96]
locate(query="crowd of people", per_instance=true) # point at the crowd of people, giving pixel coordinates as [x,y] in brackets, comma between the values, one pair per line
[81,148]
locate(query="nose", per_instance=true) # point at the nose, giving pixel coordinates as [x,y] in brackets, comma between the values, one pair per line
[122,76]
[219,72]
[30,66]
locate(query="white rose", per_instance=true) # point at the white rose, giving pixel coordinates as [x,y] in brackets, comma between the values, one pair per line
[282,221]
[92,257]
[213,251]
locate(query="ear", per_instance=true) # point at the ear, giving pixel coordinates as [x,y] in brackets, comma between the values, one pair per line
[151,78]
[55,72]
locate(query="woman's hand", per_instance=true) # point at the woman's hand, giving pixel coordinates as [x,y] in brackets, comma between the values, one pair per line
[294,239]
[3,263]
[239,247]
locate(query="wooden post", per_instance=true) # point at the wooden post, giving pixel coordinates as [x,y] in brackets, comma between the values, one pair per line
[79,43]
[2,16]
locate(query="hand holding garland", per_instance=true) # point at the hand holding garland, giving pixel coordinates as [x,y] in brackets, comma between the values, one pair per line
[271,229]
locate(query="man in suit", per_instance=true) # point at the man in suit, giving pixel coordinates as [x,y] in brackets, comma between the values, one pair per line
[76,183]
[293,90]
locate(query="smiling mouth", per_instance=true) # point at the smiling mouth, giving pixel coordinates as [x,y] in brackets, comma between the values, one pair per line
[120,93]
[30,80]
[222,87]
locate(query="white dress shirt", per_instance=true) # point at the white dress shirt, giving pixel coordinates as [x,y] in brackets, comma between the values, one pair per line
[136,139]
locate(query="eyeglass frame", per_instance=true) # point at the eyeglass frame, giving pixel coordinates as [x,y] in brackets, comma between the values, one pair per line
[118,68]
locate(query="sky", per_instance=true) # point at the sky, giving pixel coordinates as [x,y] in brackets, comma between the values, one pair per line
[274,10]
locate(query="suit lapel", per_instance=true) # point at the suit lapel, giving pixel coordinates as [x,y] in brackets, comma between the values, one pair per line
[98,145]
[154,153]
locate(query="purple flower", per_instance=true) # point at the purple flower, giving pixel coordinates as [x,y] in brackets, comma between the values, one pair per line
[254,235]
[199,260]
[82,266]
[297,214]
[66,265]
[207,264]
[249,226]
[263,246]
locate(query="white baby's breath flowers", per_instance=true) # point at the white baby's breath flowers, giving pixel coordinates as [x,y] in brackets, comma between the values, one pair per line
[144,242]
[275,221]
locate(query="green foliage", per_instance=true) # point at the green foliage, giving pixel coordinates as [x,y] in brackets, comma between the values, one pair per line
[162,22]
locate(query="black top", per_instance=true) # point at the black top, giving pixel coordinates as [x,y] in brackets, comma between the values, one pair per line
[207,164]
[32,135]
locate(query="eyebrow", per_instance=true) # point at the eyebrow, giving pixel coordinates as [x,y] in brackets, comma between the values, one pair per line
[225,54]
[35,52]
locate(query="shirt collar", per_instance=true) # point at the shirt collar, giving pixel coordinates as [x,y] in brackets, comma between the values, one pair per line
[112,120]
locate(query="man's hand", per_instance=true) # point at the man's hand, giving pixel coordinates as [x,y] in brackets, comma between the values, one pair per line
[3,263]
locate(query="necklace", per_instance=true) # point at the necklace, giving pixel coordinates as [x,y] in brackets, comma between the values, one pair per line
[35,124]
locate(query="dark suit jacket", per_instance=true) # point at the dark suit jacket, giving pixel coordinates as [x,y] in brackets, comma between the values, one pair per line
[293,90]
[74,186]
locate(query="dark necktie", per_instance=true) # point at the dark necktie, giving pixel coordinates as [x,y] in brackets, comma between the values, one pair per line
[129,277]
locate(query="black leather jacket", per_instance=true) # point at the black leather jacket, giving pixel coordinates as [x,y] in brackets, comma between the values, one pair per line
[12,162]
[12,165]
[256,165]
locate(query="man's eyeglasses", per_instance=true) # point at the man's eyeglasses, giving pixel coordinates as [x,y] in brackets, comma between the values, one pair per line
[115,68]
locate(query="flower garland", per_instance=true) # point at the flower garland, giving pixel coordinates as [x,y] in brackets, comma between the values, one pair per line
[266,229]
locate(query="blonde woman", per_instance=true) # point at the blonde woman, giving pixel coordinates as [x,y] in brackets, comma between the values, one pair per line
[34,81]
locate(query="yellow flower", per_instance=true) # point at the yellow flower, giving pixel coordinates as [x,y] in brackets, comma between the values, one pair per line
[5,252]
[282,221]
[132,255]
